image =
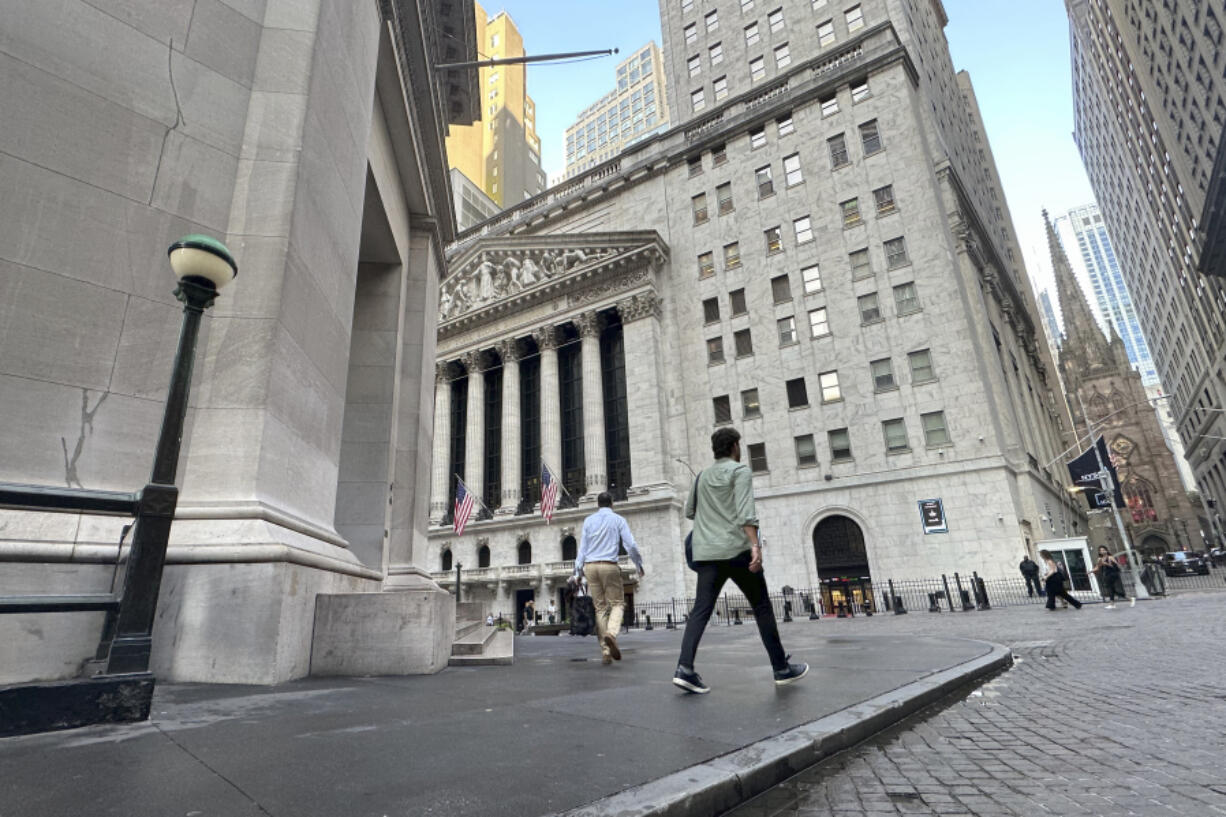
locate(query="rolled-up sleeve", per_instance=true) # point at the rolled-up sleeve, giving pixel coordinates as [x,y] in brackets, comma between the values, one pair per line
[742,496]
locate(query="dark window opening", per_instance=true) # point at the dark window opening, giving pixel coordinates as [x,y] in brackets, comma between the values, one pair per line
[459,418]
[529,432]
[570,386]
[491,486]
[525,553]
[616,413]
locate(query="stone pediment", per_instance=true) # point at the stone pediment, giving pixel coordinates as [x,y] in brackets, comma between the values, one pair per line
[497,275]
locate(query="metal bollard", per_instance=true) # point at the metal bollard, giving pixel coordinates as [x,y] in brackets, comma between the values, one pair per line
[981,593]
[648,627]
[842,610]
[900,609]
[948,597]
[669,624]
[737,616]
[933,605]
[962,594]
[868,606]
[787,611]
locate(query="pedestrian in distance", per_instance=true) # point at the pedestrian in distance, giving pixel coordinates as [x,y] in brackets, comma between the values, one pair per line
[1030,572]
[1054,582]
[603,533]
[726,546]
[1110,580]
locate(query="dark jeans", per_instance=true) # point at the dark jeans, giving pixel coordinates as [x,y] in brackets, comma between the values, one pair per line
[1055,589]
[1032,585]
[1113,585]
[711,578]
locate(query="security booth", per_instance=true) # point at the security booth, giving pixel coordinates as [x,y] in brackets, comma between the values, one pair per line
[1073,554]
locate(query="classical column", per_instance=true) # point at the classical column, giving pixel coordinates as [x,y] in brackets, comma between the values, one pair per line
[511,443]
[474,435]
[551,401]
[595,466]
[442,442]
[645,403]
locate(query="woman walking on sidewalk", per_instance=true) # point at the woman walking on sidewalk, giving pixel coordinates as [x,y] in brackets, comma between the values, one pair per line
[1108,570]
[1054,582]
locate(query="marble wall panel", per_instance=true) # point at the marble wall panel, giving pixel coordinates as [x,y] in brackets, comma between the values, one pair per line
[224,39]
[195,181]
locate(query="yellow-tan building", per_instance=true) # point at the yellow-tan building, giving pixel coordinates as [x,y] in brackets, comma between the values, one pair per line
[501,154]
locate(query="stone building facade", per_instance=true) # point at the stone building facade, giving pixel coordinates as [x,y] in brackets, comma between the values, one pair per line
[1106,394]
[822,258]
[288,130]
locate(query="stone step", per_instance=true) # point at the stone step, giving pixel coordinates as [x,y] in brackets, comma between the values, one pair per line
[474,641]
[464,628]
[499,652]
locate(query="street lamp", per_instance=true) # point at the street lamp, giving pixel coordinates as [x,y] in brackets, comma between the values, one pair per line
[203,265]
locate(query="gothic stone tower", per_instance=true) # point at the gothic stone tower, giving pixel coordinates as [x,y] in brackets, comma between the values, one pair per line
[1104,390]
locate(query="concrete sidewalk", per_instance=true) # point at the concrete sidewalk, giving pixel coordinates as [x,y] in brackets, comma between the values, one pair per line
[556,731]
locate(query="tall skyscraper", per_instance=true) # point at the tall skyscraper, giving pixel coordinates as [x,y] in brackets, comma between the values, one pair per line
[635,108]
[501,154]
[1148,93]
[1054,336]
[1083,232]
[817,252]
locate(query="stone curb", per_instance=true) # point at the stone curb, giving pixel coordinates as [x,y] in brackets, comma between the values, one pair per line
[729,780]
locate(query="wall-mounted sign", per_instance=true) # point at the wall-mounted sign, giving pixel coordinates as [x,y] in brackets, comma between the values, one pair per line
[932,516]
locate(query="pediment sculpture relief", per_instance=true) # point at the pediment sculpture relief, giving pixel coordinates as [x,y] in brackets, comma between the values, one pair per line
[495,275]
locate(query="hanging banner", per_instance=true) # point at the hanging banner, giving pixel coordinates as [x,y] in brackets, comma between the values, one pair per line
[1086,476]
[932,516]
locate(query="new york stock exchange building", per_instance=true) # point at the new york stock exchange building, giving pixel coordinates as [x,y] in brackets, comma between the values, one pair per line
[818,262]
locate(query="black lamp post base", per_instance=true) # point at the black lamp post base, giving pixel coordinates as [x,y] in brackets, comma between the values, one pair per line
[55,705]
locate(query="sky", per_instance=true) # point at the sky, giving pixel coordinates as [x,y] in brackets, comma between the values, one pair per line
[1017,54]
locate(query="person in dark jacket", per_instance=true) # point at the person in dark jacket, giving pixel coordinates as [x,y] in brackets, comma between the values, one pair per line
[1030,572]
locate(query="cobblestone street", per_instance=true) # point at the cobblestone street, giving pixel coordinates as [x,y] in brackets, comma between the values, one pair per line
[1106,712]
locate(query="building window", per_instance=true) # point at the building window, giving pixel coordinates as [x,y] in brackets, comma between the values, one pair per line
[446,562]
[483,555]
[715,350]
[840,444]
[757,138]
[838,151]
[896,253]
[706,265]
[830,106]
[829,383]
[905,299]
[861,267]
[698,204]
[750,407]
[781,289]
[782,56]
[762,177]
[746,6]
[860,92]
[883,374]
[698,99]
[818,326]
[723,195]
[798,395]
[716,54]
[723,409]
[694,64]
[524,553]
[744,343]
[751,34]
[812,277]
[691,34]
[804,230]
[736,301]
[787,330]
[870,137]
[570,399]
[687,6]
[851,212]
[732,255]
[710,310]
[921,366]
[884,198]
[617,417]
[870,309]
[774,240]
[775,19]
[935,431]
[806,451]
[721,88]
[757,68]
[895,433]
[530,431]
[719,155]
[757,458]
[791,169]
[491,485]
[694,163]
[712,21]
[855,18]
[825,33]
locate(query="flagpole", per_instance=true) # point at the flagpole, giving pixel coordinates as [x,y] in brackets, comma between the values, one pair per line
[1138,589]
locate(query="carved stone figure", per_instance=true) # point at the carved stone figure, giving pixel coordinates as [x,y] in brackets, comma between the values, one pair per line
[485,281]
[529,273]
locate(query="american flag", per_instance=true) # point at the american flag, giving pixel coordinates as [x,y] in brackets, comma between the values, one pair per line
[464,501]
[549,492]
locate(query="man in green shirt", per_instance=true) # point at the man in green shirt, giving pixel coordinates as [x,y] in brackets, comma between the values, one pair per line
[725,546]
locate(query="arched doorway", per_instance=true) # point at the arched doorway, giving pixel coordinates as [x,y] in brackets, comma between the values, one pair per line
[1153,545]
[842,565]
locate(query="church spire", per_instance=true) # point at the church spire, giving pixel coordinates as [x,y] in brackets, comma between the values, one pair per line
[1078,319]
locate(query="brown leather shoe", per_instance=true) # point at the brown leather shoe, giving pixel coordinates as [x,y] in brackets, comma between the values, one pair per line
[611,643]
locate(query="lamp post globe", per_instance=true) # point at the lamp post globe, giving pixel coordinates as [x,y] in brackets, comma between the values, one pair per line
[202,260]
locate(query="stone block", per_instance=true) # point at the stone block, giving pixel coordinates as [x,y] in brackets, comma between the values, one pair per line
[145,357]
[274,126]
[164,20]
[298,15]
[284,63]
[195,181]
[46,647]
[224,39]
[263,198]
[370,384]
[400,633]
[300,396]
[297,475]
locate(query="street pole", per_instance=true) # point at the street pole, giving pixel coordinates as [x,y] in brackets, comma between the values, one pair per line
[1138,588]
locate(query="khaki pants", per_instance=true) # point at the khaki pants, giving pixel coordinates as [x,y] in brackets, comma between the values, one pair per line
[604,582]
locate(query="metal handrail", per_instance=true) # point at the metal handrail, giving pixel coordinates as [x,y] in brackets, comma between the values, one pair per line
[82,603]
[51,498]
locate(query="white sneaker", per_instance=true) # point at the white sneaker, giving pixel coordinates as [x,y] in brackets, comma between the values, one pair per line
[1132,602]
[1108,606]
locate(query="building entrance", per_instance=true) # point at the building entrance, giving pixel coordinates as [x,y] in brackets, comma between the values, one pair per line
[522,597]
[842,565]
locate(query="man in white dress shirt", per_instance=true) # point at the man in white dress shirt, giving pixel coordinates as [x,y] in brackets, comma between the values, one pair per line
[603,532]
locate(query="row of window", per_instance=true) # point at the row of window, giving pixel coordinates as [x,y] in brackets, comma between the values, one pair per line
[853,15]
[893,431]
[895,250]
